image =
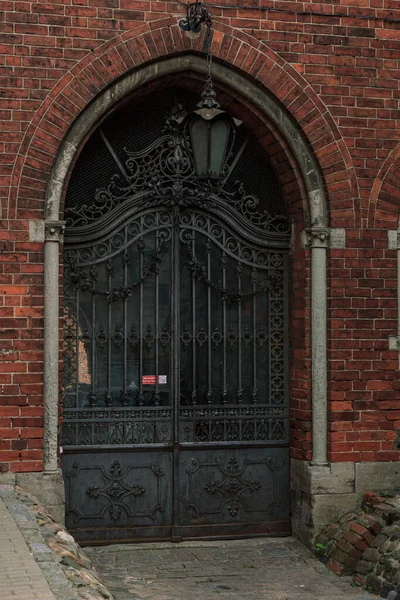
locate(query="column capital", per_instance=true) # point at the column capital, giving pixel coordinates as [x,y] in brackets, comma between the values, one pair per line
[394,239]
[317,237]
[394,342]
[54,231]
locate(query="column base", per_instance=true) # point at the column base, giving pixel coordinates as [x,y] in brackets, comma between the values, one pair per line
[321,494]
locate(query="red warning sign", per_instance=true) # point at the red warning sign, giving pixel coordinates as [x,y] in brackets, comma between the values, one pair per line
[151,379]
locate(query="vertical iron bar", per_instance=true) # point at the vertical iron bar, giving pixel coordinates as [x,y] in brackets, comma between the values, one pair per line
[224,331]
[254,283]
[157,398]
[176,534]
[209,346]
[77,349]
[109,397]
[240,390]
[141,250]
[125,340]
[286,341]
[194,384]
[93,393]
[175,321]
[269,333]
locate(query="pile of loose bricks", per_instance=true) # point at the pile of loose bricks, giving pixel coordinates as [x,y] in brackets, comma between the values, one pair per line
[365,543]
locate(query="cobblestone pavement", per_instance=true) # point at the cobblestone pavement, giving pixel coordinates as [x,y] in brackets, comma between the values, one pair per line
[258,569]
[20,576]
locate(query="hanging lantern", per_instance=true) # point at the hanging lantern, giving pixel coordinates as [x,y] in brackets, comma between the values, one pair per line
[210,130]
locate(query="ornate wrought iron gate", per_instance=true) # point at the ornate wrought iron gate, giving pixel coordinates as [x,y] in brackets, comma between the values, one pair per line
[175,361]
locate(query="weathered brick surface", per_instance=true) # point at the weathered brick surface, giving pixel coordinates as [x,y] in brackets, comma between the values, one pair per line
[366,543]
[335,67]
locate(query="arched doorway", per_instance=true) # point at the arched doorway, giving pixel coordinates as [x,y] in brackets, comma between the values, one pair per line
[175,386]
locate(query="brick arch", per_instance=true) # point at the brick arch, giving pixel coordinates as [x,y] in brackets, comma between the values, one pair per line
[384,206]
[159,39]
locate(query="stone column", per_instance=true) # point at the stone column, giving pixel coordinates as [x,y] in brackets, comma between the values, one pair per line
[318,241]
[394,244]
[53,237]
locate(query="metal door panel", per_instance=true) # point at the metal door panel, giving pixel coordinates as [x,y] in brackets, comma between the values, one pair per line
[109,495]
[227,487]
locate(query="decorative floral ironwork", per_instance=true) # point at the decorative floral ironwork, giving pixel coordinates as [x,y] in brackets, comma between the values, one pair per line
[163,174]
[247,337]
[101,337]
[149,337]
[232,486]
[201,337]
[262,337]
[217,338]
[232,336]
[164,337]
[133,337]
[118,337]
[186,337]
[116,491]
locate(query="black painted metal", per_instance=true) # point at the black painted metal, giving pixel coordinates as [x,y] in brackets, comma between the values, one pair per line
[175,391]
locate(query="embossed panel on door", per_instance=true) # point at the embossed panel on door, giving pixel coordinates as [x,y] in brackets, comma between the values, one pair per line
[233,491]
[118,495]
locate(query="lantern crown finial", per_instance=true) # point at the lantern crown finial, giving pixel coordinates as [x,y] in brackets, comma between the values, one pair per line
[208,95]
[208,107]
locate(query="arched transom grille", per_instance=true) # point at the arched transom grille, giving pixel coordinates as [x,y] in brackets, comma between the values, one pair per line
[132,155]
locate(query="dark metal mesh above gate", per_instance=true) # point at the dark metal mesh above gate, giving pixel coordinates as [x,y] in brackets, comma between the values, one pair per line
[132,129]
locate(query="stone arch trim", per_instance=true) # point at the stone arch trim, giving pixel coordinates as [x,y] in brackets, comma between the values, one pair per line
[105,70]
[384,206]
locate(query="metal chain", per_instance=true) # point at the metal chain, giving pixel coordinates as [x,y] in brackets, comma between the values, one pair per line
[209,36]
[229,293]
[122,292]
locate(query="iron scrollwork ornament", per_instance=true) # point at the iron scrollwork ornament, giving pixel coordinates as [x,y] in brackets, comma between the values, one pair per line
[163,174]
[232,486]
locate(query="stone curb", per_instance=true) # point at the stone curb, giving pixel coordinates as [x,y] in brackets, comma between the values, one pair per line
[68,571]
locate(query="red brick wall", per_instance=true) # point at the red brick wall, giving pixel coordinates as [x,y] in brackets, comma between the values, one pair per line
[335,67]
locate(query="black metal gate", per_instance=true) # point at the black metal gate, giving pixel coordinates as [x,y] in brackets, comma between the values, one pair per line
[175,392]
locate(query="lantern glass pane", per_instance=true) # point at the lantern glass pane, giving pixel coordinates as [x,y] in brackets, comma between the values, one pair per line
[198,129]
[220,129]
